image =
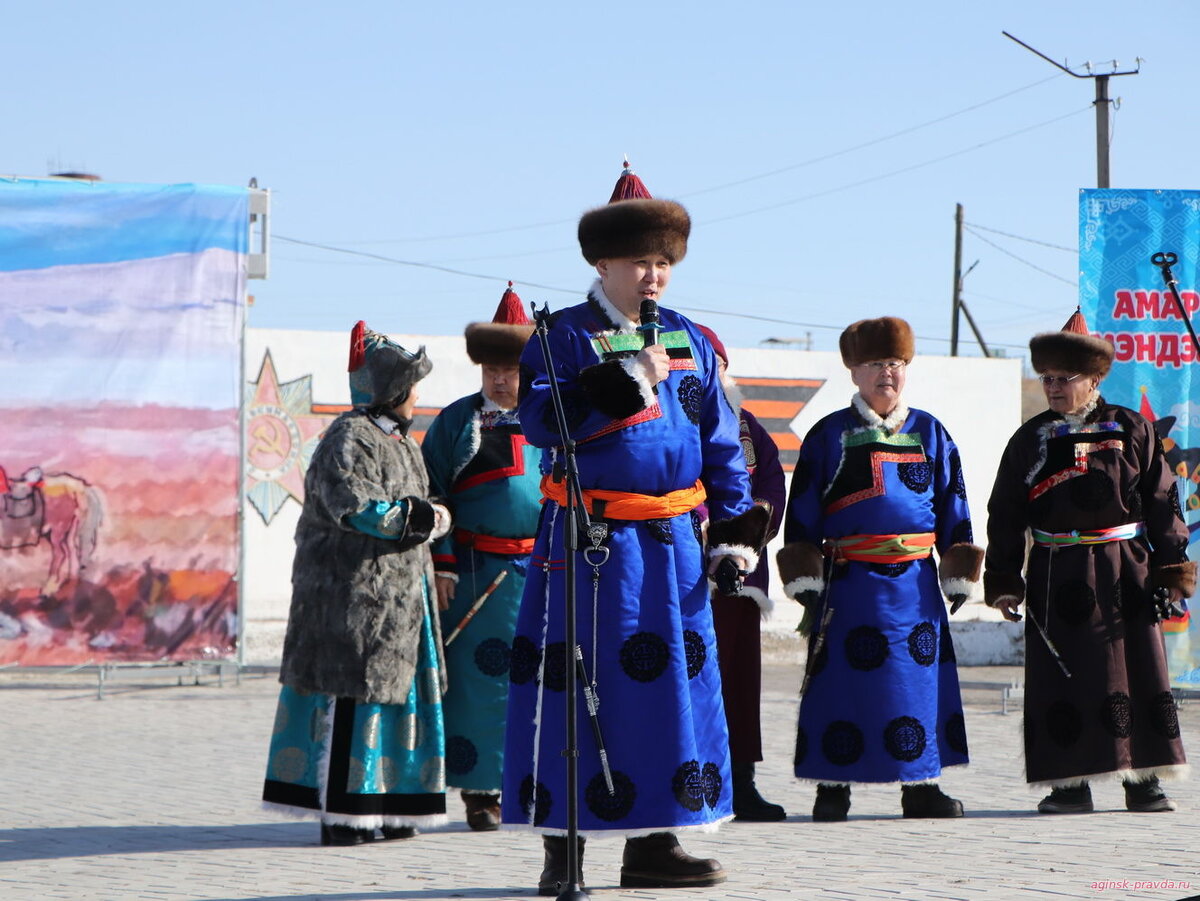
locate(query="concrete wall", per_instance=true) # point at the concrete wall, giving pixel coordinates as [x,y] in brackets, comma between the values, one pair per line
[978,400]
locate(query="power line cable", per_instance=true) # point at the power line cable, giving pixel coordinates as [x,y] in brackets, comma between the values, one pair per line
[996,231]
[1020,259]
[895,172]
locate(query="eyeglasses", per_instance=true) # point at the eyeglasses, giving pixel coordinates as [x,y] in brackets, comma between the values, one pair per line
[1062,380]
[889,365]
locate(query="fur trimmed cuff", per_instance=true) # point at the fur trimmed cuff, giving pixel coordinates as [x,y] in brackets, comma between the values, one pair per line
[997,585]
[962,562]
[765,604]
[611,389]
[804,588]
[801,560]
[749,554]
[1175,575]
[634,370]
[746,530]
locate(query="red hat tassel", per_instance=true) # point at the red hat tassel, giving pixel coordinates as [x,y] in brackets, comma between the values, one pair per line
[629,187]
[511,311]
[358,348]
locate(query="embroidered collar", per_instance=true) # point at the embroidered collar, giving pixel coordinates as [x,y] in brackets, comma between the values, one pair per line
[1080,416]
[891,424]
[617,320]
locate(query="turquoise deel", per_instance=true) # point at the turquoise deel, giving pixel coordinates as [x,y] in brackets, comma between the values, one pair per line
[397,748]
[883,703]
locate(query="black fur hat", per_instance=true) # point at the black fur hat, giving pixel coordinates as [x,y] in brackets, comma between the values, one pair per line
[631,228]
[886,338]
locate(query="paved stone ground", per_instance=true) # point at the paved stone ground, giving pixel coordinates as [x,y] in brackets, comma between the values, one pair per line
[151,793]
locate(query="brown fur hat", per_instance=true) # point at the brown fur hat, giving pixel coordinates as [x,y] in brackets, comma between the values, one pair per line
[631,228]
[1073,349]
[886,338]
[501,341]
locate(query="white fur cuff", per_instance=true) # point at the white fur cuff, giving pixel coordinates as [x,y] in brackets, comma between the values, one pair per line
[797,587]
[636,372]
[961,586]
[749,554]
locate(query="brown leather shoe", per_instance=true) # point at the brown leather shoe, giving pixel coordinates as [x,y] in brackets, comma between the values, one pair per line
[657,861]
[483,811]
[554,874]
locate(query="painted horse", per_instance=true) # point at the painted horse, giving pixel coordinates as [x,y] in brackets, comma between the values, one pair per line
[60,508]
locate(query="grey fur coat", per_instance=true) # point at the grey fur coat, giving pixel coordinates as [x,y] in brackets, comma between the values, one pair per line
[358,601]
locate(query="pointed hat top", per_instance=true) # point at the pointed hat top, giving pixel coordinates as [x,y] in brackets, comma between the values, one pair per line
[1076,324]
[511,311]
[629,186]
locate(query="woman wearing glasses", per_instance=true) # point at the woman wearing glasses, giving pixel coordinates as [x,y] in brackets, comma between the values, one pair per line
[1108,560]
[877,488]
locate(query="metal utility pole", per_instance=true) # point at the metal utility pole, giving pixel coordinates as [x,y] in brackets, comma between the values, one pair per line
[1102,103]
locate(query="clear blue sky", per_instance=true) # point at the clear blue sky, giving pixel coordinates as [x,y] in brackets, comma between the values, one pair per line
[471,136]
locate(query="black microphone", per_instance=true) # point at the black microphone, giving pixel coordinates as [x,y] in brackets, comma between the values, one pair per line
[649,327]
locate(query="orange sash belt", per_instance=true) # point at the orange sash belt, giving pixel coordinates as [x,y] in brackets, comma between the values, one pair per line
[492,544]
[880,548]
[627,504]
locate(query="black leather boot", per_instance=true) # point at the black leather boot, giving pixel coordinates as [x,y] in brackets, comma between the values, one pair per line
[483,811]
[748,805]
[333,834]
[832,803]
[1068,799]
[1147,796]
[925,801]
[657,861]
[554,874]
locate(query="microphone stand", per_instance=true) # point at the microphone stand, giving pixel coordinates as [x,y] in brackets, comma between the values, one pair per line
[1165,261]
[576,510]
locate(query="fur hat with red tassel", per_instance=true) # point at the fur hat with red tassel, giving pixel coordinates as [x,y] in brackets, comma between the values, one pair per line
[381,371]
[633,224]
[501,341]
[1074,349]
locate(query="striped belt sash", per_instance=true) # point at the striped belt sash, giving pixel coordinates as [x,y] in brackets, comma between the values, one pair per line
[628,504]
[880,548]
[1093,536]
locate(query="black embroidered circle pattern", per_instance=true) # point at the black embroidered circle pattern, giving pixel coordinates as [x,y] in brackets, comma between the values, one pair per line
[461,755]
[554,673]
[644,656]
[956,733]
[529,798]
[1117,715]
[610,808]
[1074,601]
[1092,491]
[697,653]
[842,743]
[688,786]
[691,395]
[1173,500]
[492,656]
[1133,502]
[697,525]
[962,533]
[801,751]
[923,644]
[710,775]
[866,648]
[946,648]
[957,484]
[1164,718]
[916,476]
[904,738]
[1063,723]
[891,570]
[660,529]
[523,665]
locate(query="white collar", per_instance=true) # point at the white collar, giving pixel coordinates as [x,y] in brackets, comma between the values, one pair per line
[490,406]
[1080,416]
[622,322]
[386,424]
[891,424]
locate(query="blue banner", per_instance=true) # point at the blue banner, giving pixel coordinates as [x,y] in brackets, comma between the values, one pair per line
[1123,297]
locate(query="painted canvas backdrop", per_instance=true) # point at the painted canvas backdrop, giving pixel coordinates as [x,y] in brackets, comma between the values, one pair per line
[1123,296]
[121,316]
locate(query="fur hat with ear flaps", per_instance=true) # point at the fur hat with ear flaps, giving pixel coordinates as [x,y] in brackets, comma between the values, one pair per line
[381,371]
[887,338]
[1074,349]
[501,341]
[634,228]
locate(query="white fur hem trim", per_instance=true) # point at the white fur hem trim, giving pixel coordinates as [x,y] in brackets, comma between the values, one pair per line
[296,813]
[961,586]
[378,822]
[1170,773]
[749,554]
[797,587]
[634,370]
[765,604]
[714,826]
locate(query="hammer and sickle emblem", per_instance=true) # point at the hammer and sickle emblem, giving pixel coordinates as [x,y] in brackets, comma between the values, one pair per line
[268,437]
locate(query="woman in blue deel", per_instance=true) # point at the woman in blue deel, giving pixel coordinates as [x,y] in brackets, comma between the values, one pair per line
[877,490]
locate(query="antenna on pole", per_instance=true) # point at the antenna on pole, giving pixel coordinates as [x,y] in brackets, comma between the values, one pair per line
[1101,103]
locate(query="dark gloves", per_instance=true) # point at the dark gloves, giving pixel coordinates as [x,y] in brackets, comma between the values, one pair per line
[728,577]
[1166,607]
[419,523]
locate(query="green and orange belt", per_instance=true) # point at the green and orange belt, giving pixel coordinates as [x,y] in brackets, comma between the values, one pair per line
[1090,536]
[880,548]
[629,504]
